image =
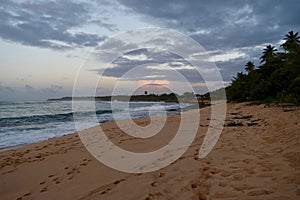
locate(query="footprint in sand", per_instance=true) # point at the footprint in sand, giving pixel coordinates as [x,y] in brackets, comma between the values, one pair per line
[27,151]
[56,180]
[161,174]
[76,170]
[194,185]
[42,183]
[260,192]
[25,195]
[83,164]
[71,173]
[105,189]
[154,184]
[226,174]
[118,181]
[71,177]
[150,196]
[44,189]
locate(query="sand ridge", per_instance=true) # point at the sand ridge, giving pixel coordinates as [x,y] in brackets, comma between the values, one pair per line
[256,157]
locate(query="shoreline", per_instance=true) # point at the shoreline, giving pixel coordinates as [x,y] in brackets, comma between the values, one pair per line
[254,161]
[190,107]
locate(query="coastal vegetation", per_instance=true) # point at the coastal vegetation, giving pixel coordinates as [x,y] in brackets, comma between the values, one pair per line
[276,79]
[171,97]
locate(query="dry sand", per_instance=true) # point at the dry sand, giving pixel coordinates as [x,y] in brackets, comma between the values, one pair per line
[256,157]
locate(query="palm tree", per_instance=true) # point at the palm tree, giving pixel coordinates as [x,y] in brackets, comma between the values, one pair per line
[249,67]
[268,54]
[292,41]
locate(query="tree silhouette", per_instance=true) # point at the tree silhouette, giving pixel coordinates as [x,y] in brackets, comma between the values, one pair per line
[292,46]
[277,79]
[268,54]
[292,41]
[249,67]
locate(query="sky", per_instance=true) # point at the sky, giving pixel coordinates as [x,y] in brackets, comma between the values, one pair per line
[49,47]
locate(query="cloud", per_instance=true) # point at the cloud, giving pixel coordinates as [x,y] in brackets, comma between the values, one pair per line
[214,24]
[227,56]
[50,24]
[231,29]
[160,65]
[234,31]
[222,24]
[172,66]
[110,49]
[140,57]
[154,54]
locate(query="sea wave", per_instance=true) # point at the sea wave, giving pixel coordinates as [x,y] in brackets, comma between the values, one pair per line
[28,122]
[42,119]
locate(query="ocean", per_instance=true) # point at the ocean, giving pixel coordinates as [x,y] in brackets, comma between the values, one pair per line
[30,122]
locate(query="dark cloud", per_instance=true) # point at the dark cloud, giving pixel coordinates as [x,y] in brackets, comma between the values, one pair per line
[111,49]
[214,24]
[222,26]
[48,24]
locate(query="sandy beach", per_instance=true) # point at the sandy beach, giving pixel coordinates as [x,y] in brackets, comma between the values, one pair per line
[256,157]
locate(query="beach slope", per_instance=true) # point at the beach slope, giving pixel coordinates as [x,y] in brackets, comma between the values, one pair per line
[256,157]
